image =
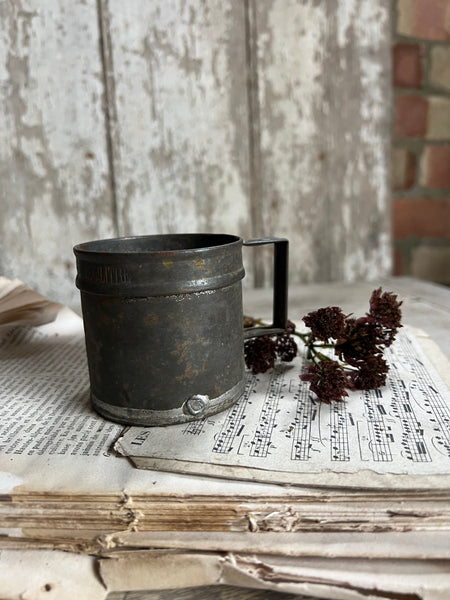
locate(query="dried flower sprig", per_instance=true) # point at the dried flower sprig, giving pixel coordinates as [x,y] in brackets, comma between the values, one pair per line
[358,344]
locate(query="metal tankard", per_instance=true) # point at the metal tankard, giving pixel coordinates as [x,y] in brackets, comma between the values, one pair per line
[163,322]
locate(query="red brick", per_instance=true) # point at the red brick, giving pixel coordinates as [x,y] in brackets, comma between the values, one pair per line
[411,114]
[426,19]
[403,169]
[435,167]
[421,218]
[407,65]
[431,19]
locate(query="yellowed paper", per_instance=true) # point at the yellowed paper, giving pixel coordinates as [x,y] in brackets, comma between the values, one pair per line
[21,305]
[389,544]
[155,571]
[41,574]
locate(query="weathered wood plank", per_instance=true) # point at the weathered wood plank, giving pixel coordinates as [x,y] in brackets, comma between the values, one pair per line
[258,117]
[180,142]
[324,109]
[54,171]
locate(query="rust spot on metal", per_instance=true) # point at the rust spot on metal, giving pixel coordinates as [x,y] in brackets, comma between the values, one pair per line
[167,263]
[181,350]
[151,320]
[199,263]
[189,373]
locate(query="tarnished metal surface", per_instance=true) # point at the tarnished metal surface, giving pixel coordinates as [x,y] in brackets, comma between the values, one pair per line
[159,265]
[164,325]
[148,417]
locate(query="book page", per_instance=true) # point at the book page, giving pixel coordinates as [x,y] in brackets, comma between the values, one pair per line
[279,431]
[20,304]
[331,544]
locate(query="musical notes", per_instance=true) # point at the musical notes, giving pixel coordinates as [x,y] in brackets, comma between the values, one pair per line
[194,427]
[419,394]
[339,444]
[233,424]
[262,438]
[305,415]
[379,441]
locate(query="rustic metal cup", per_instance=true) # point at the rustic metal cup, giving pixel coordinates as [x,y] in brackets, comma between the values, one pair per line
[163,322]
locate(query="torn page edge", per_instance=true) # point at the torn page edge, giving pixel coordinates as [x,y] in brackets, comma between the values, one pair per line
[361,480]
[411,544]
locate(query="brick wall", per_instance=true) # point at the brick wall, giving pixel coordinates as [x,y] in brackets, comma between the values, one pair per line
[421,139]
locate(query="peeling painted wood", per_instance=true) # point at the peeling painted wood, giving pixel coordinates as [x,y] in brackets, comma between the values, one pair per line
[54,171]
[181,136]
[254,117]
[261,118]
[324,94]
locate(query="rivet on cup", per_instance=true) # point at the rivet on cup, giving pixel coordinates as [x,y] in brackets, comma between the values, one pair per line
[196,404]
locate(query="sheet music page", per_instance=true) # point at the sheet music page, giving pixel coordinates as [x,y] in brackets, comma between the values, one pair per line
[279,426]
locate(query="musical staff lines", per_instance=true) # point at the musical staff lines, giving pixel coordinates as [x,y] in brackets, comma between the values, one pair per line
[412,440]
[233,425]
[305,415]
[262,439]
[423,391]
[339,445]
[194,427]
[377,428]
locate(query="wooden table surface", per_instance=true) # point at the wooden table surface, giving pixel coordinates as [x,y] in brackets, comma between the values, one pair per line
[425,306]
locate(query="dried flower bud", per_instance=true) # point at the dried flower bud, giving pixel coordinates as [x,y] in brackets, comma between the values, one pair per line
[327,379]
[371,374]
[260,354]
[385,309]
[290,327]
[286,348]
[359,339]
[325,323]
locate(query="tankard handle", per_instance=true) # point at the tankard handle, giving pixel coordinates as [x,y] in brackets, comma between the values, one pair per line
[280,287]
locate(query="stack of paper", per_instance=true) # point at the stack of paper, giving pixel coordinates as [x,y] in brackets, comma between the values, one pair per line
[343,501]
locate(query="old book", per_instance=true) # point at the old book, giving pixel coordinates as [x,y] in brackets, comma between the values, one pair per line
[63,486]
